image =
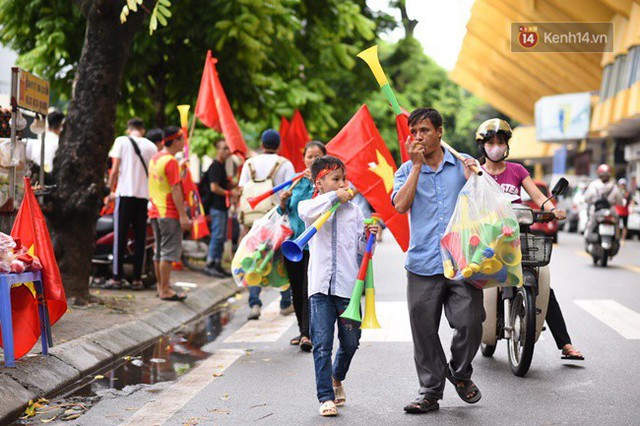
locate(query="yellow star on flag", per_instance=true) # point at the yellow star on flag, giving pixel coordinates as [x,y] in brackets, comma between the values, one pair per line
[384,170]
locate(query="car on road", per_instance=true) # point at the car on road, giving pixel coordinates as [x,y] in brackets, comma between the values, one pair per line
[549,228]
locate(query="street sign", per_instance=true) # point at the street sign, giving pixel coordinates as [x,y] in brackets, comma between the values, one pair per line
[33,92]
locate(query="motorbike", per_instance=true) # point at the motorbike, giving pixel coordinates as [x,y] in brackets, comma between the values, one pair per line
[517,314]
[602,239]
[102,259]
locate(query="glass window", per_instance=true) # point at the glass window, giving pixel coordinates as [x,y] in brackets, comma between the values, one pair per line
[604,85]
[634,58]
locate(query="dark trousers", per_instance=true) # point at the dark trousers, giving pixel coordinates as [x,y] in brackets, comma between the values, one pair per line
[129,212]
[556,323]
[462,303]
[297,272]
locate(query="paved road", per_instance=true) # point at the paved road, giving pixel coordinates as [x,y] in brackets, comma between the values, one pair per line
[254,376]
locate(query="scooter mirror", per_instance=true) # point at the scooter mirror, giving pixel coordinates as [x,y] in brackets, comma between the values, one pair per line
[560,187]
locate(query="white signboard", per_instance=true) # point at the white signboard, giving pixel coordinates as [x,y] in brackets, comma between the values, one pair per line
[563,117]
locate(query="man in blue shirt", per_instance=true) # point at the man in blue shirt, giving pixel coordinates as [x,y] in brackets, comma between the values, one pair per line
[428,186]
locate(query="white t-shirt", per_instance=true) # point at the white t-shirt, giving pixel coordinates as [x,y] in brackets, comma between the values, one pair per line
[263,164]
[132,179]
[34,150]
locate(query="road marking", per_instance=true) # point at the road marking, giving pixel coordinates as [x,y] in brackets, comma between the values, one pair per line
[632,268]
[622,319]
[394,320]
[269,328]
[583,254]
[180,393]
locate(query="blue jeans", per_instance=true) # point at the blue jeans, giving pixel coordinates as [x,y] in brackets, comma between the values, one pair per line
[219,219]
[325,312]
[254,297]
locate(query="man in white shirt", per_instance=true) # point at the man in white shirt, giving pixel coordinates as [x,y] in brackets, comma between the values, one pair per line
[55,121]
[128,181]
[263,164]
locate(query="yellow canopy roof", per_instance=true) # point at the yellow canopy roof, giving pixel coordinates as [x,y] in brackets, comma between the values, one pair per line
[525,146]
[513,82]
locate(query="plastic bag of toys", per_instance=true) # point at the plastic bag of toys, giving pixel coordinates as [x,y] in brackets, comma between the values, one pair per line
[482,242]
[258,260]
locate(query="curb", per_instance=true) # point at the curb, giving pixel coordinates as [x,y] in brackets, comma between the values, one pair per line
[41,376]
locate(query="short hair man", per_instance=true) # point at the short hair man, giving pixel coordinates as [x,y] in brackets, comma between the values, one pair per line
[128,181]
[429,184]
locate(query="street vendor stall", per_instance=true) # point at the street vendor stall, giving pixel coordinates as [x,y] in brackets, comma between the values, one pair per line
[29,96]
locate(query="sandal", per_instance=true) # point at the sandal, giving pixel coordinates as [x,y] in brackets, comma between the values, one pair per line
[137,285]
[177,297]
[340,396]
[112,284]
[328,409]
[423,404]
[572,354]
[305,344]
[295,341]
[464,388]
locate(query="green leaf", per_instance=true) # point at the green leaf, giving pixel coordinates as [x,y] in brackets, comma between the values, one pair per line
[161,19]
[153,24]
[133,5]
[164,11]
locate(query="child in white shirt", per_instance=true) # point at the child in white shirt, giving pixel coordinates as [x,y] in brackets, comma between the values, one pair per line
[333,270]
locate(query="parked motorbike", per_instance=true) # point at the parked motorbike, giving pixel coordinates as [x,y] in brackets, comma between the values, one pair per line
[102,260]
[517,314]
[602,239]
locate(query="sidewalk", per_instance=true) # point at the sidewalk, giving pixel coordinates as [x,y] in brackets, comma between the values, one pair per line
[87,338]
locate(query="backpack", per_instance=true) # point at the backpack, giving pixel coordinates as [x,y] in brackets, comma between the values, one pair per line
[204,189]
[254,188]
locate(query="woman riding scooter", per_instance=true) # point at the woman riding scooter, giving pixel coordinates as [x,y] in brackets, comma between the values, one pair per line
[492,138]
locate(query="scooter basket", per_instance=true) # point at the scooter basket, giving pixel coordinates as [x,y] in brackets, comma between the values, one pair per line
[536,249]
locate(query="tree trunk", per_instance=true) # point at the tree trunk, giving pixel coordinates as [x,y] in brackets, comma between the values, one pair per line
[408,24]
[81,159]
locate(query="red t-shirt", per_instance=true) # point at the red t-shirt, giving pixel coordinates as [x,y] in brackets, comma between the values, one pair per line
[164,173]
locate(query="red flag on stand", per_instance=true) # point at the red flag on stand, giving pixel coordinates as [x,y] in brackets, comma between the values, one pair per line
[31,228]
[370,167]
[212,108]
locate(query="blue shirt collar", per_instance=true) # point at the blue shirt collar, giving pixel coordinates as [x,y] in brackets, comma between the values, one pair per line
[448,158]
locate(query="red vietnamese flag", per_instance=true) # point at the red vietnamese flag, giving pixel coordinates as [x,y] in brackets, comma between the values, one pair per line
[31,228]
[370,167]
[284,127]
[402,127]
[294,141]
[212,108]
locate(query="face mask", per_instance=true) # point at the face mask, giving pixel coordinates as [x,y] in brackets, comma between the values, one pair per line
[495,153]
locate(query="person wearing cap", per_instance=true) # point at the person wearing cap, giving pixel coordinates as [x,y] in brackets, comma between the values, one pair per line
[263,165]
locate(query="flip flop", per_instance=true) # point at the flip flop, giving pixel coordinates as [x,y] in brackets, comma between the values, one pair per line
[464,388]
[178,297]
[572,354]
[340,396]
[422,404]
[305,344]
[295,341]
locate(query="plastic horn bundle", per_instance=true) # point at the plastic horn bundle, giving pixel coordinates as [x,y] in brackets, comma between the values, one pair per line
[370,56]
[184,123]
[292,249]
[254,275]
[364,281]
[254,201]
